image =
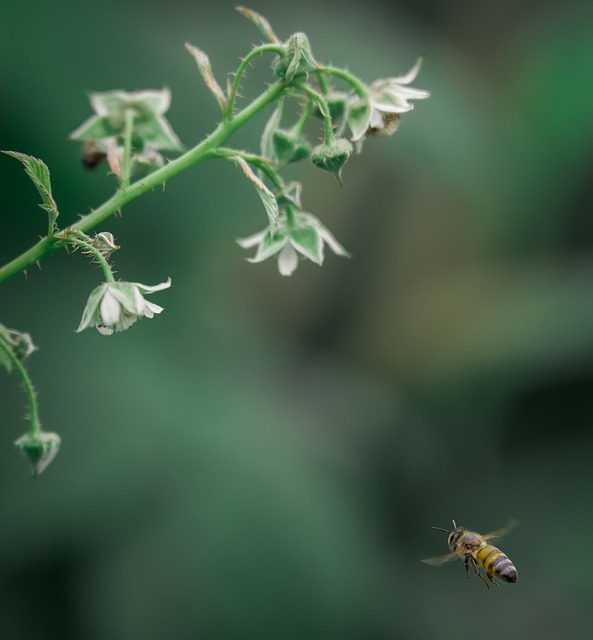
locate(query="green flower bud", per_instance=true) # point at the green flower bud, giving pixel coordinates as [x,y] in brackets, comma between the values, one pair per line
[288,147]
[39,448]
[298,61]
[332,156]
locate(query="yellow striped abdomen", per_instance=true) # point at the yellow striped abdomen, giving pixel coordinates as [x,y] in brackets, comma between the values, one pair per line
[496,563]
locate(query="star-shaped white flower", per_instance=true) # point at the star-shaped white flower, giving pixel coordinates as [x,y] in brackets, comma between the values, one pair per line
[388,98]
[148,107]
[304,238]
[115,306]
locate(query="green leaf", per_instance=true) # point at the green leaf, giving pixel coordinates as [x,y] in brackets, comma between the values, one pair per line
[38,172]
[267,197]
[267,146]
[205,68]
[260,22]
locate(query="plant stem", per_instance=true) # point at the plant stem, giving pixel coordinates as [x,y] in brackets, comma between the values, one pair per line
[127,163]
[200,152]
[323,108]
[274,48]
[356,83]
[82,242]
[35,425]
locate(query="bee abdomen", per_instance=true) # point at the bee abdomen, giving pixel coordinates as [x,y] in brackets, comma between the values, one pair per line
[497,563]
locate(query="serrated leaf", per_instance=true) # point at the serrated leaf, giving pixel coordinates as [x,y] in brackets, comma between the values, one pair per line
[267,197]
[38,173]
[205,68]
[260,22]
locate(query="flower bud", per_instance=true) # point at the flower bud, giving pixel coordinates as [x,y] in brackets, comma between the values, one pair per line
[289,147]
[332,156]
[298,61]
[39,448]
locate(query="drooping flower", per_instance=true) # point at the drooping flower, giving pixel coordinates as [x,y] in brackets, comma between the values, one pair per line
[304,237]
[115,306]
[388,98]
[148,107]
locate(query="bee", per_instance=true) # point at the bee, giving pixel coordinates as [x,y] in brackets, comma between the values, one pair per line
[474,549]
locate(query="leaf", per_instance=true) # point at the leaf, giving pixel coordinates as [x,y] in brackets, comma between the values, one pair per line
[267,146]
[205,68]
[38,172]
[260,22]
[267,197]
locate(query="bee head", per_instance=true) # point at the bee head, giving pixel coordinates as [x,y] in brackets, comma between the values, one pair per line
[454,534]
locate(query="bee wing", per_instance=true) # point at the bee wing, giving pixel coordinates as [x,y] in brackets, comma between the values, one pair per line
[440,559]
[501,532]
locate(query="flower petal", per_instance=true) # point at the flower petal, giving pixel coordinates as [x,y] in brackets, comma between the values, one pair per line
[110,309]
[332,243]
[145,288]
[288,260]
[150,308]
[103,330]
[411,75]
[251,241]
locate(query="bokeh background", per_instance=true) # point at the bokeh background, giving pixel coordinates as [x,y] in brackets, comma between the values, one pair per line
[266,458]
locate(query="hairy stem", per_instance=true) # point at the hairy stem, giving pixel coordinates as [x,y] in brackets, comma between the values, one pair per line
[200,152]
[35,425]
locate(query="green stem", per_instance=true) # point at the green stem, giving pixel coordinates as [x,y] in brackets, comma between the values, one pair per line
[274,48]
[35,425]
[200,152]
[259,162]
[323,85]
[290,217]
[299,125]
[80,240]
[127,162]
[324,108]
[356,83]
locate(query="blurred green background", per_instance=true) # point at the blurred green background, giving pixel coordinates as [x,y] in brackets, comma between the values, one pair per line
[266,458]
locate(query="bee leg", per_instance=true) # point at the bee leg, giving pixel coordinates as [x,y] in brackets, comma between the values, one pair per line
[466,566]
[491,578]
[476,570]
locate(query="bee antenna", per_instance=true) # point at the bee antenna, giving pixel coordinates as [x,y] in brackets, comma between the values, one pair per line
[440,529]
[454,525]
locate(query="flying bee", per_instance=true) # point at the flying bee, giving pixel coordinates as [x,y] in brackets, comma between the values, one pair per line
[473,548]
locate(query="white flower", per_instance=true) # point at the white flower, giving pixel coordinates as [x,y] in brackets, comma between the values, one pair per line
[305,237]
[388,98]
[115,306]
